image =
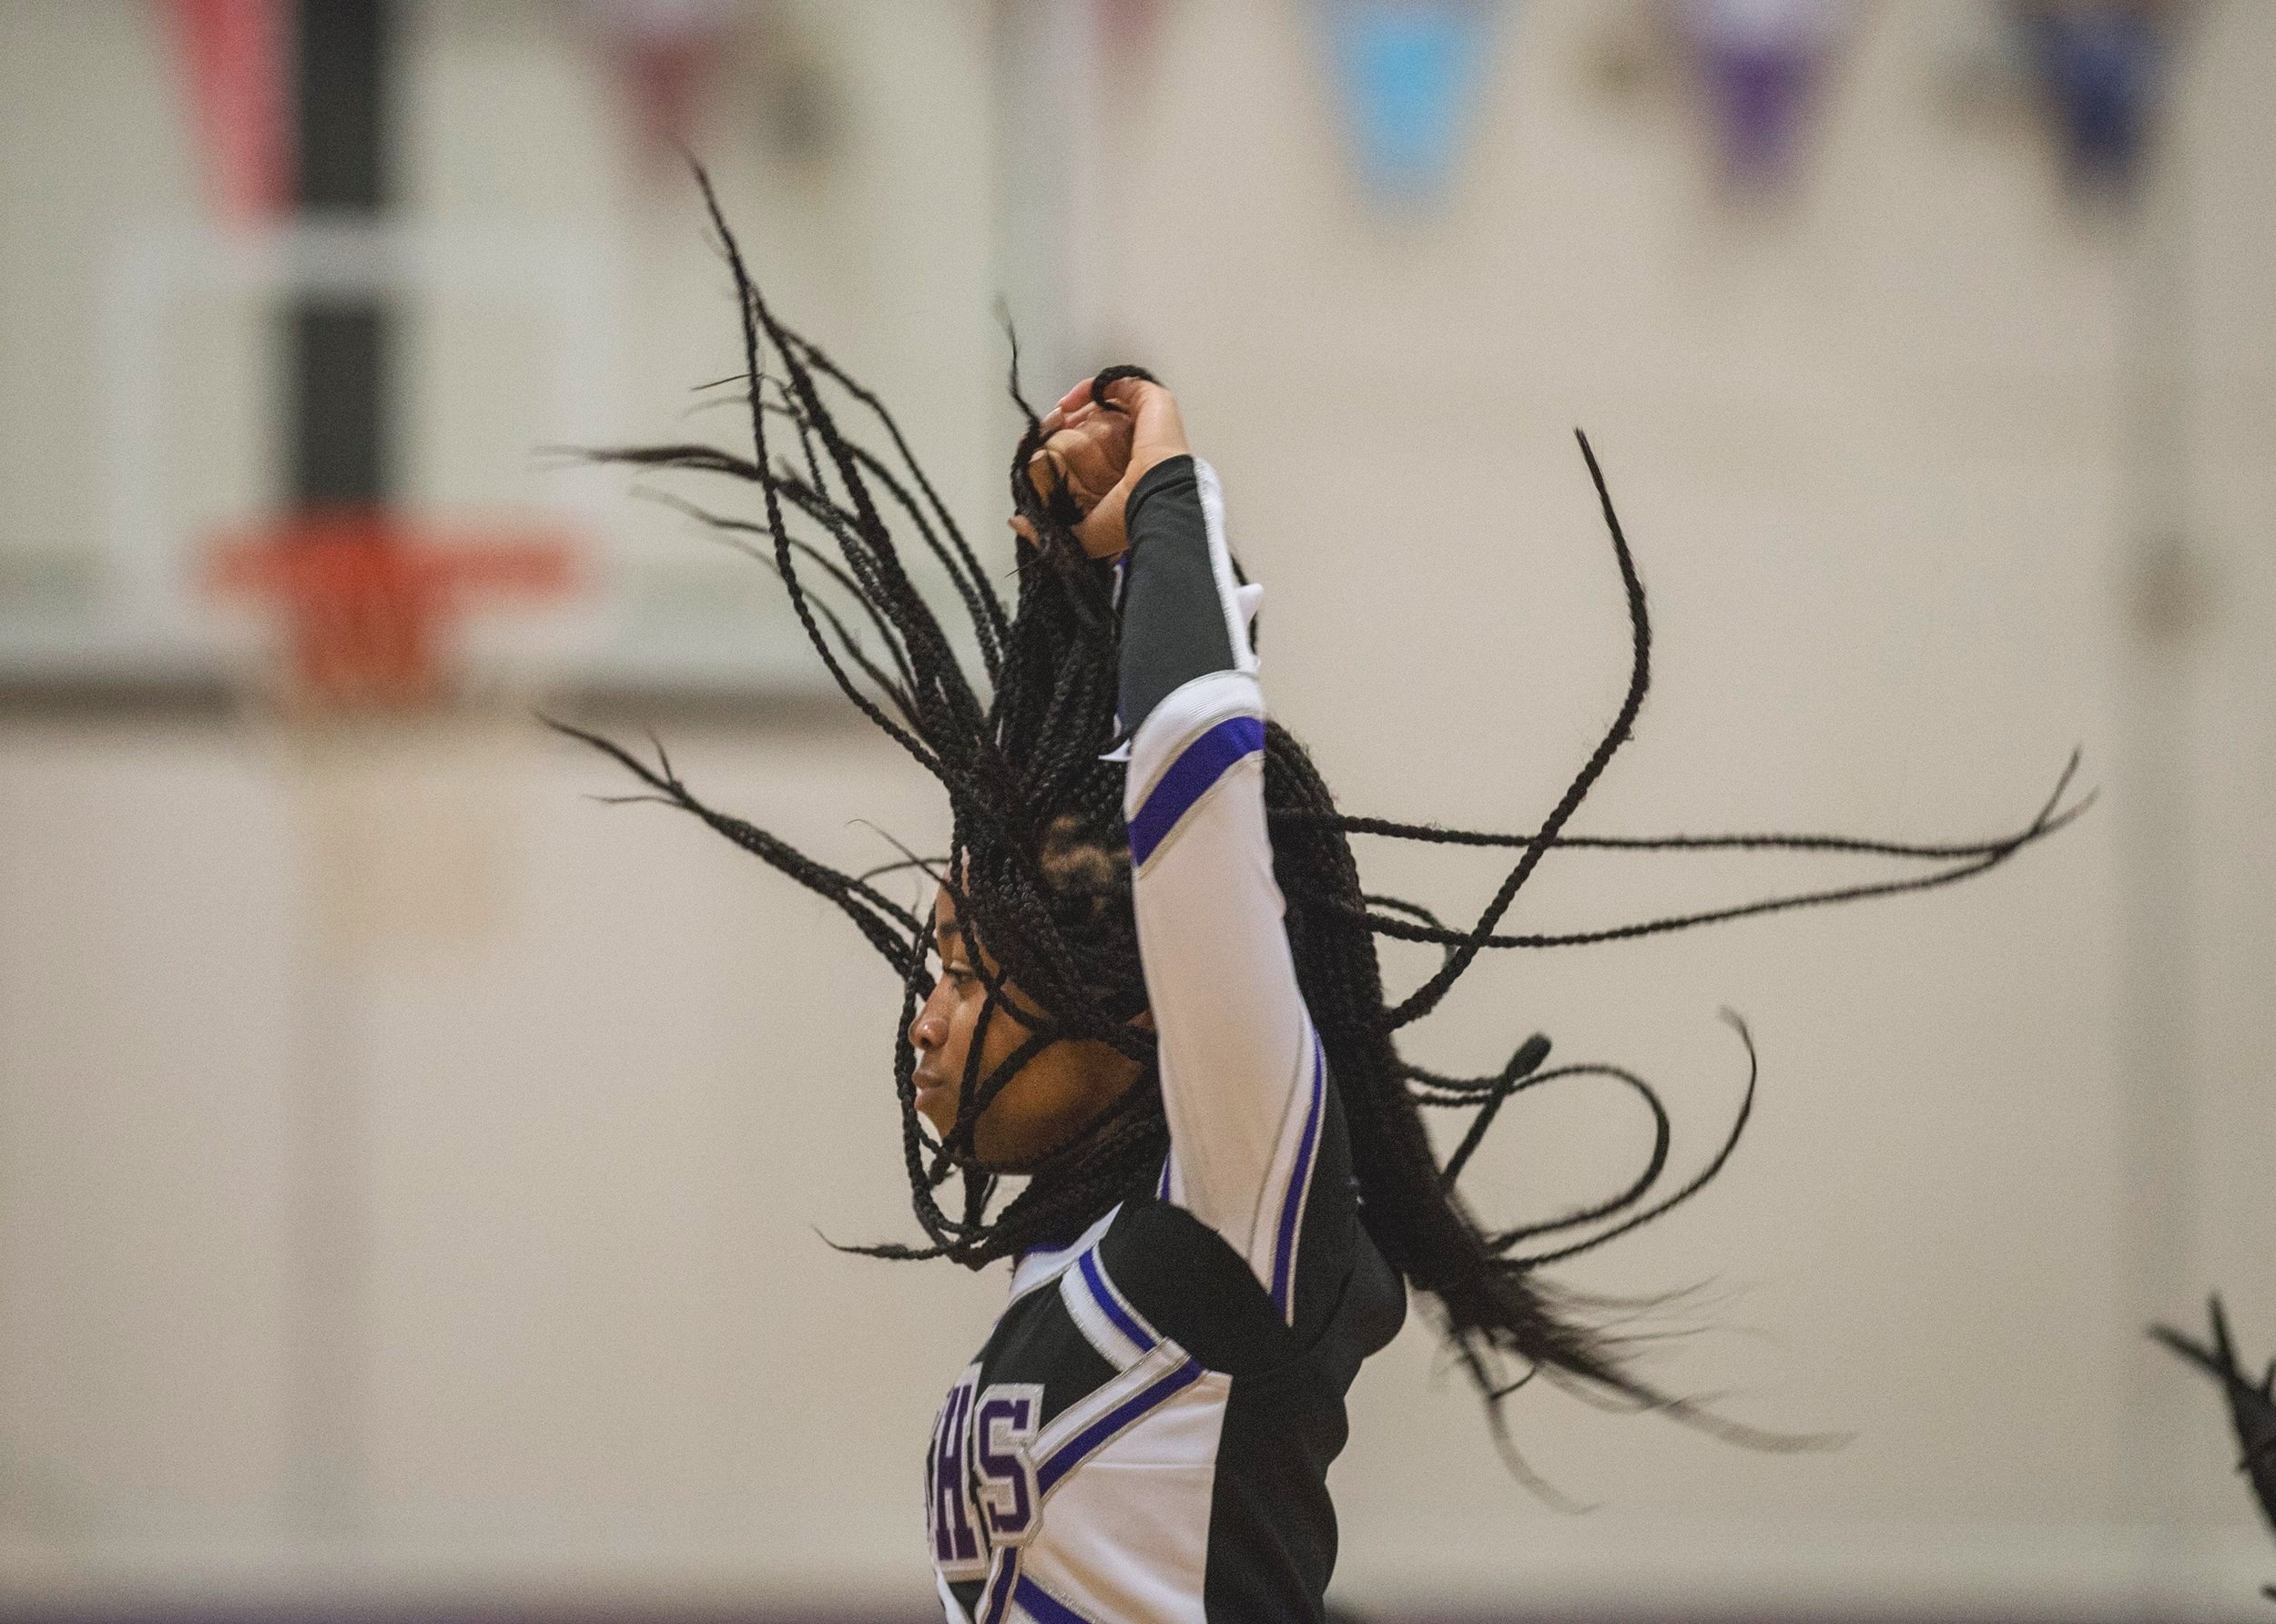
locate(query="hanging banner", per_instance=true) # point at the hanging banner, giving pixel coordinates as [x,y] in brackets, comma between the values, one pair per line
[664,49]
[1758,64]
[1128,30]
[2099,67]
[236,55]
[1409,72]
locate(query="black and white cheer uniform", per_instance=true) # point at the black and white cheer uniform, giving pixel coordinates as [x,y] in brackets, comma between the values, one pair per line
[1145,1436]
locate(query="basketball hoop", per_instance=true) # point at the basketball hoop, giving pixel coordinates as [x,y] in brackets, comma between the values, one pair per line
[371,598]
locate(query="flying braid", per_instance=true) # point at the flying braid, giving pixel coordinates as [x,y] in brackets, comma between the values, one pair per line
[1038,867]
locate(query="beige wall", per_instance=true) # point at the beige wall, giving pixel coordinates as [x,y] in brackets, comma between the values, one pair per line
[596,1081]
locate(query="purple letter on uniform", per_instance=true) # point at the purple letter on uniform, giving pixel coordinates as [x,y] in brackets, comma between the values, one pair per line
[952,1539]
[1005,1426]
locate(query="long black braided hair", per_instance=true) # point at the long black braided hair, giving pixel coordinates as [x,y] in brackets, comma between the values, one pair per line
[1039,871]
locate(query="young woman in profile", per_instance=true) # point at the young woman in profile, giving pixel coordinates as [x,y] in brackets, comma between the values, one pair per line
[1145,1053]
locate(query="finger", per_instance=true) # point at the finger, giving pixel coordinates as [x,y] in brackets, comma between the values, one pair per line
[1025,532]
[1101,531]
[1094,456]
[1135,400]
[1073,408]
[1088,428]
[1090,476]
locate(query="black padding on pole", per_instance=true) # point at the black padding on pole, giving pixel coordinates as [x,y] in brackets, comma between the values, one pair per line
[342,442]
[338,346]
[344,93]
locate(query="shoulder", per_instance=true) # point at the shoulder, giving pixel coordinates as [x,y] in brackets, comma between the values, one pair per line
[1183,1277]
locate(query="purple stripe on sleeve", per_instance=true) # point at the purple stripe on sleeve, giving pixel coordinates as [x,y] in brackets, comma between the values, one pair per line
[1093,1438]
[1285,1248]
[1200,764]
[995,1601]
[1043,1606]
[1111,1305]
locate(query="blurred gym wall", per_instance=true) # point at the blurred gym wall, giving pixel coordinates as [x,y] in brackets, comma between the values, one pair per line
[415,1177]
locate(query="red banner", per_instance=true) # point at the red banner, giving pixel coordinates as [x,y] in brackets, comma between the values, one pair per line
[236,54]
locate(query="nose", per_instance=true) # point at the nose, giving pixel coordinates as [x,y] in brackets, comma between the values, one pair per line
[931,1026]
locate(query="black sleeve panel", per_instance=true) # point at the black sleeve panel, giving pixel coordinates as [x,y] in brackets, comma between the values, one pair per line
[1175,621]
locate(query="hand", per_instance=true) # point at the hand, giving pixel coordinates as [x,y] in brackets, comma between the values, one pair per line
[1101,450]
[1084,454]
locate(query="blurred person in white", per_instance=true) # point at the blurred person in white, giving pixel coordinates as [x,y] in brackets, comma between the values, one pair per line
[1157,1068]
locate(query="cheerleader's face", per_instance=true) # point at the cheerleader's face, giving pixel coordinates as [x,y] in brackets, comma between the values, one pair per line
[1058,1091]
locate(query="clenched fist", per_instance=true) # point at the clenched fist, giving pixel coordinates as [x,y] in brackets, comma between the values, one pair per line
[1098,451]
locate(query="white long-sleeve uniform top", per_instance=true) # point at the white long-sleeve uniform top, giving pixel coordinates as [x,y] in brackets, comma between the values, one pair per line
[1146,1435]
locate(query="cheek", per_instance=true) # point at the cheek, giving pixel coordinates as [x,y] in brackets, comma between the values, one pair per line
[1024,1093]
[1060,1088]
[959,1016]
[1004,1035]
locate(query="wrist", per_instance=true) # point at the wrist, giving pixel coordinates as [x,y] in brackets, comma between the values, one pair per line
[1171,470]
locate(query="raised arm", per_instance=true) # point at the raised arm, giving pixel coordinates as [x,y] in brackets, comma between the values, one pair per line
[1241,1076]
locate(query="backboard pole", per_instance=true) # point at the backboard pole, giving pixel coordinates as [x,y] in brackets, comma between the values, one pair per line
[339,438]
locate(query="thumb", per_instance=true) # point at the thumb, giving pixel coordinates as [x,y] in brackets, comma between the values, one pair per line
[1157,428]
[1138,398]
[1101,531]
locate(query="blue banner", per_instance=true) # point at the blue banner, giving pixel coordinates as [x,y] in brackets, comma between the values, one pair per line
[1409,72]
[2099,67]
